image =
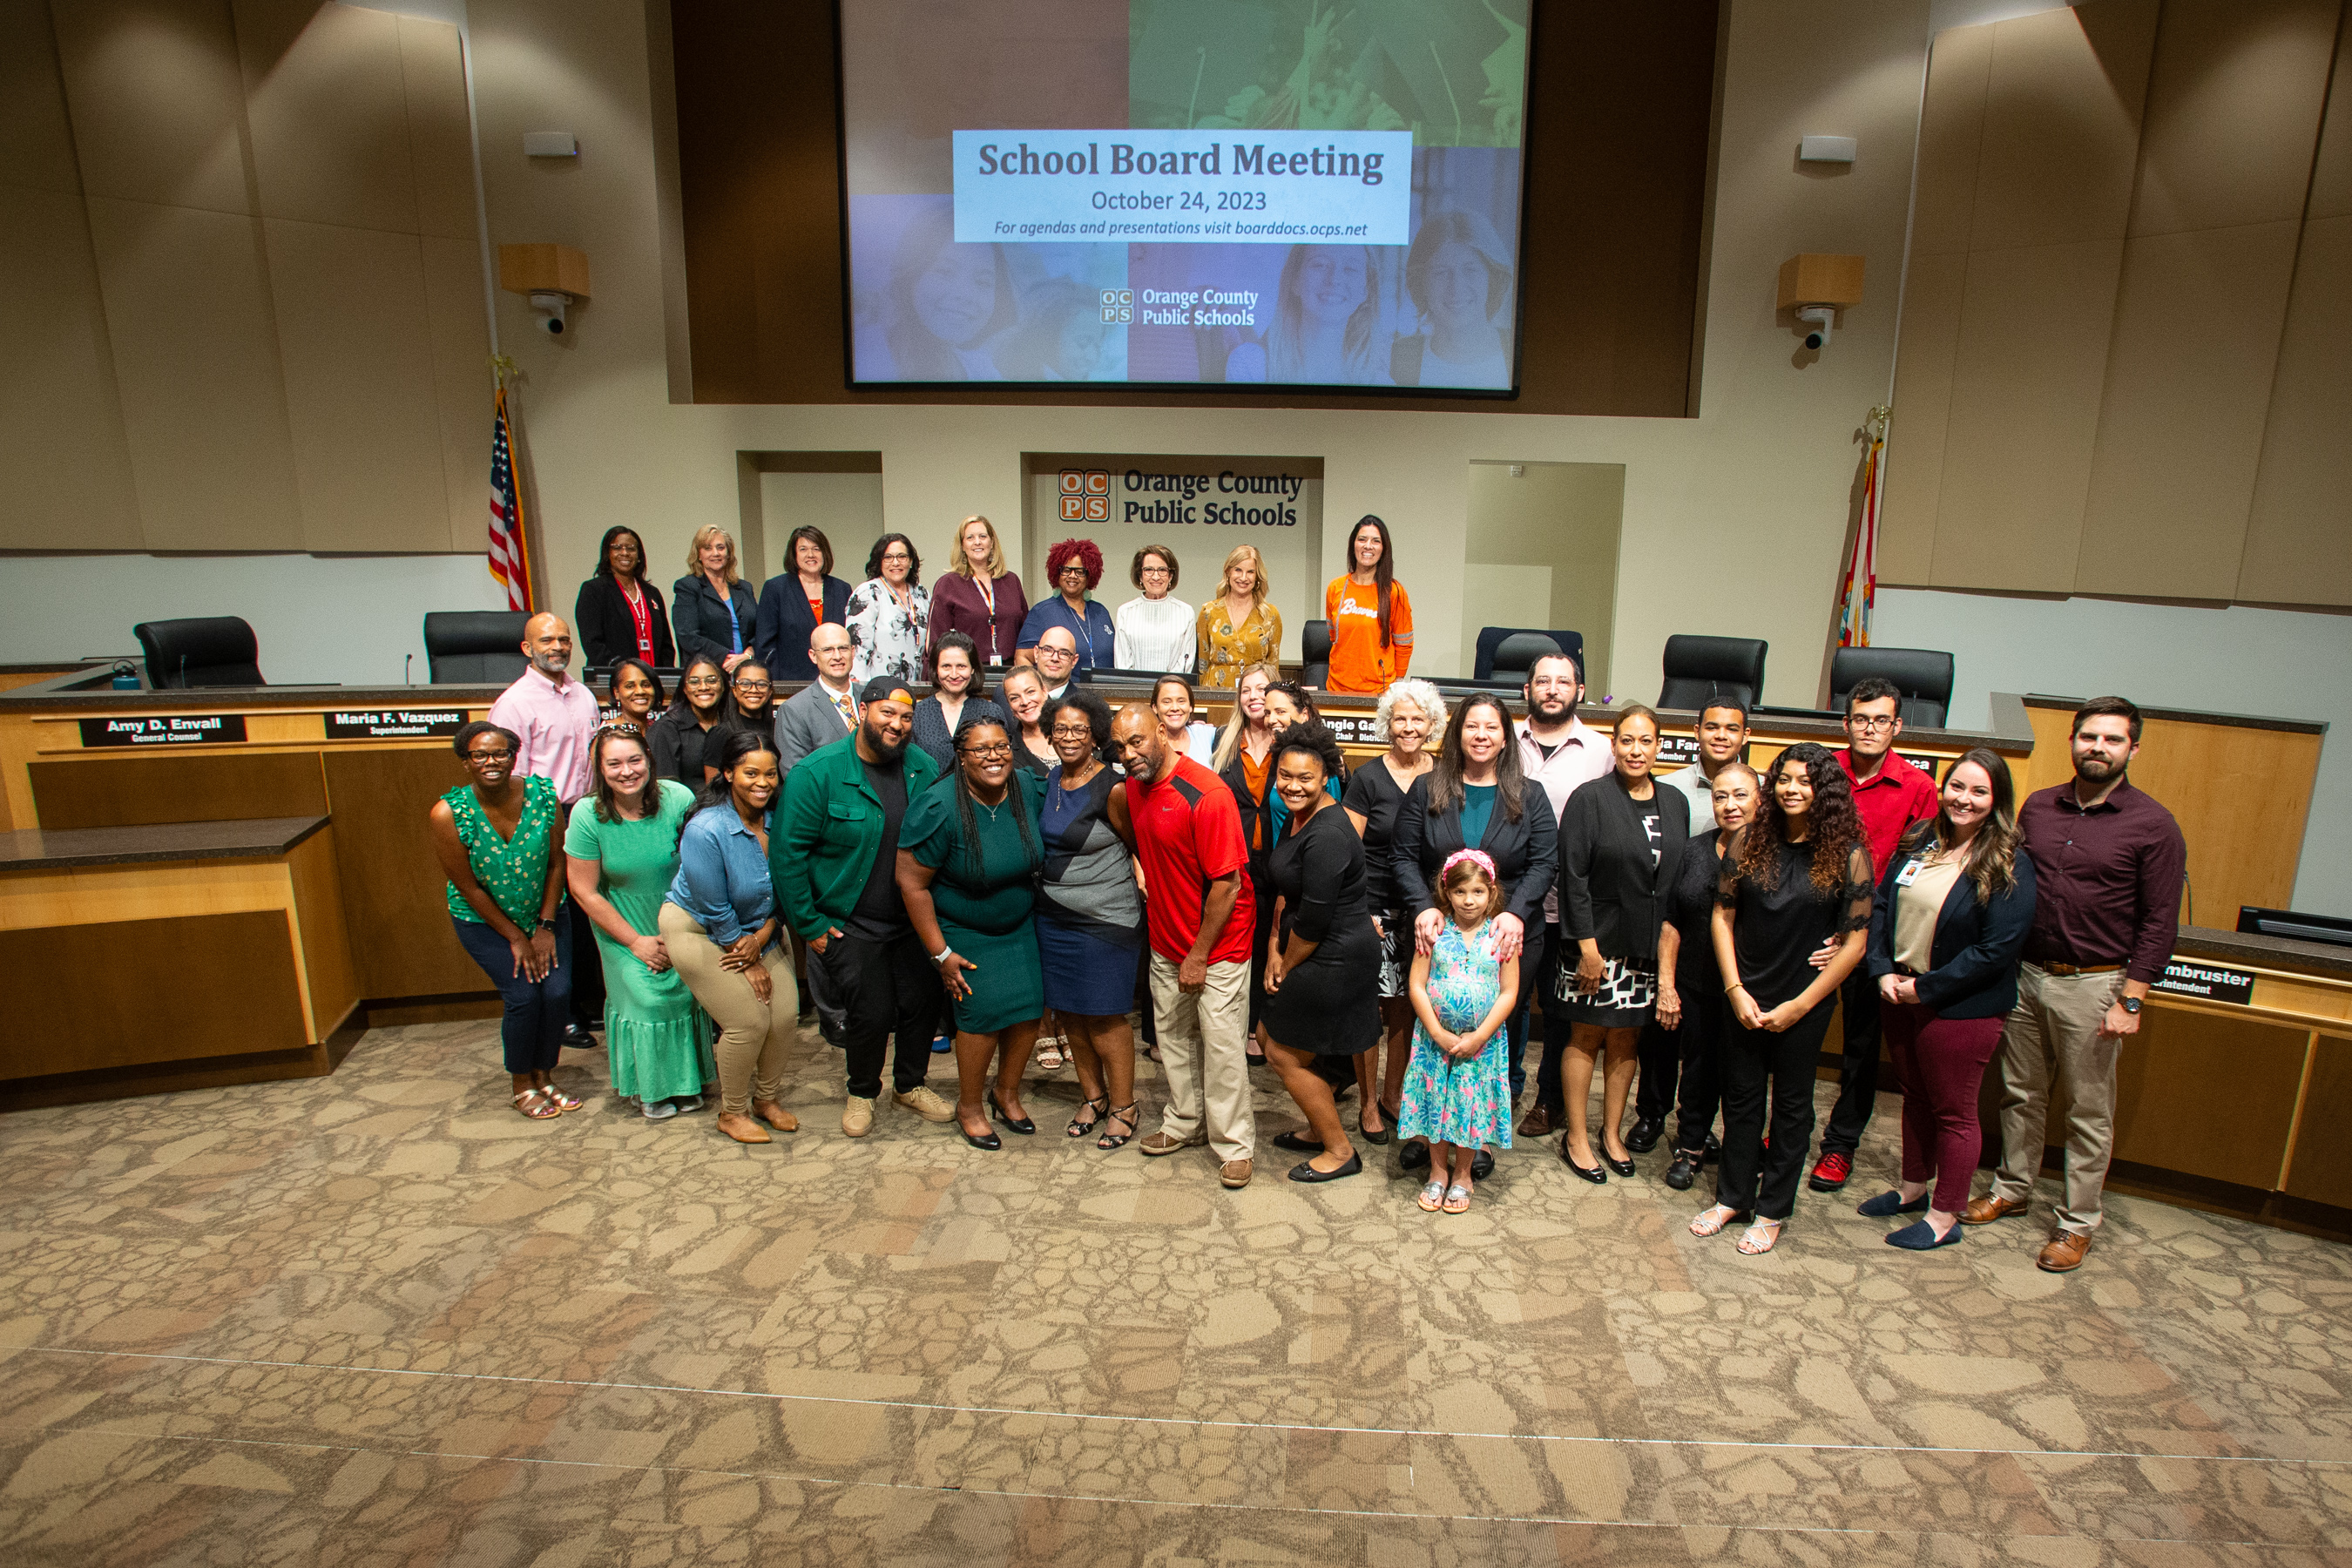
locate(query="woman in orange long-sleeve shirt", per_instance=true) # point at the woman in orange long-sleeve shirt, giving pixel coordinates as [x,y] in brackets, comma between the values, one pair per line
[1370,614]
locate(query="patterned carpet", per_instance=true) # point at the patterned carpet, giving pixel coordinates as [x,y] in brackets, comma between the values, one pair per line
[379,1318]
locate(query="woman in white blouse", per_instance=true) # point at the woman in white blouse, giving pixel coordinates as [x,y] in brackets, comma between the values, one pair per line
[1155,631]
[890,614]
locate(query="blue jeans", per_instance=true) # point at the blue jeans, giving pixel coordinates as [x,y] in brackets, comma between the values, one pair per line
[536,1011]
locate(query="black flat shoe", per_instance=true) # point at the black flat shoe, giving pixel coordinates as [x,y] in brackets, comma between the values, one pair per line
[1305,1171]
[1482,1164]
[1712,1153]
[1020,1124]
[1413,1157]
[1294,1143]
[1596,1176]
[1644,1135]
[1683,1172]
[990,1141]
[1622,1167]
[1380,1139]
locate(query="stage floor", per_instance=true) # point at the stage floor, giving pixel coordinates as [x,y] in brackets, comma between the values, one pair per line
[378,1317]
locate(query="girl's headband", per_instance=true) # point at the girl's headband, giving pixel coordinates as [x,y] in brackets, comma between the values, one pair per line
[1477,858]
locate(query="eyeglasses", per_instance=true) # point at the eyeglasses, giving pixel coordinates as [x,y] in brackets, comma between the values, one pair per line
[1155,571]
[898,555]
[499,756]
[703,682]
[618,727]
[1872,722]
[755,686]
[1084,732]
[994,749]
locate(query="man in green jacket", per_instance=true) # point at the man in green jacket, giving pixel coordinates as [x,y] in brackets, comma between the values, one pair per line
[833,857]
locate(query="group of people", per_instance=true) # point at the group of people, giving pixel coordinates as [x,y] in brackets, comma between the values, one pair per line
[896,628]
[988,861]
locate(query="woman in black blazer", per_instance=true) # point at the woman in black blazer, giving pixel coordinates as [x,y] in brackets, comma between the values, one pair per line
[1946,934]
[618,614]
[1621,844]
[1477,782]
[789,603]
[712,606]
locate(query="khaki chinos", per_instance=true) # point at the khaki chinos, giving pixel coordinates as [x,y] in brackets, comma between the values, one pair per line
[1204,1056]
[2053,1032]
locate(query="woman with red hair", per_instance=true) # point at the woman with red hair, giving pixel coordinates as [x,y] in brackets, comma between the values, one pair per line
[1073,566]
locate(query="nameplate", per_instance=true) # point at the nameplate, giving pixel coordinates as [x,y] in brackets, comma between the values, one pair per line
[2207,982]
[174,730]
[394,723]
[1353,729]
[1928,763]
[1680,752]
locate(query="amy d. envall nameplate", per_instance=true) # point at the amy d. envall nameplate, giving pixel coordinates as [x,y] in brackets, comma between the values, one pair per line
[164,729]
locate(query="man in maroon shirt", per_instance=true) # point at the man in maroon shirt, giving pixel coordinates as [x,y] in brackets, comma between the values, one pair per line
[2108,863]
[1199,919]
[1891,794]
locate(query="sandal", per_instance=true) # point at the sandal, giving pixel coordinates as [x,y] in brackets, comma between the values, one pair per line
[1713,1218]
[534,1104]
[1131,1113]
[1049,1055]
[1761,1234]
[558,1099]
[1098,1104]
[1458,1199]
[1432,1196]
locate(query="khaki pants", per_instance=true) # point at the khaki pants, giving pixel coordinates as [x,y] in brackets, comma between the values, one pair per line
[752,1034]
[1205,1052]
[2053,1032]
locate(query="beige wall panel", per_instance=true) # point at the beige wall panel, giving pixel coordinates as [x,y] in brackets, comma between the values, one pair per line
[2180,426]
[36,135]
[2302,518]
[359,387]
[1951,135]
[2062,125]
[2331,169]
[461,385]
[440,135]
[2026,373]
[2234,106]
[196,357]
[1930,330]
[329,115]
[65,470]
[158,112]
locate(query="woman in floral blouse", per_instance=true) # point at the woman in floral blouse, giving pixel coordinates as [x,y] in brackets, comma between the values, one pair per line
[890,614]
[1240,626]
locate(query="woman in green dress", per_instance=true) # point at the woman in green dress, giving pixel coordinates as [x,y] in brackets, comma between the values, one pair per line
[622,850]
[969,853]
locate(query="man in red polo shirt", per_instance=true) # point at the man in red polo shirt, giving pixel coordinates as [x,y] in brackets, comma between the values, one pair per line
[1891,794]
[1200,915]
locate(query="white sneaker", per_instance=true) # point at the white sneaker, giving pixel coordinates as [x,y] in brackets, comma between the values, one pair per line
[660,1110]
[926,1104]
[686,1104]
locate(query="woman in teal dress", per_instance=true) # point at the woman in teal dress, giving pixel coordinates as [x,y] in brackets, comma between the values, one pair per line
[969,853]
[623,853]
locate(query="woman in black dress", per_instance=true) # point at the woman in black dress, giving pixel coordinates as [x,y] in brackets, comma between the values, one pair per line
[1797,875]
[1691,1005]
[1621,844]
[1409,712]
[1322,968]
[681,736]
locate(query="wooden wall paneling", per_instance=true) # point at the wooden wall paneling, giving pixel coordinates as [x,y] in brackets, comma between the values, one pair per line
[2321,1164]
[1951,141]
[2061,122]
[2205,774]
[360,387]
[37,147]
[2165,1095]
[219,786]
[1917,435]
[209,986]
[329,976]
[393,903]
[327,106]
[2188,378]
[158,108]
[440,133]
[91,895]
[461,381]
[2300,516]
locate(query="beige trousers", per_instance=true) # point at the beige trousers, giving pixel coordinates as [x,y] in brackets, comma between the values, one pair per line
[1204,1053]
[2053,1032]
[752,1034]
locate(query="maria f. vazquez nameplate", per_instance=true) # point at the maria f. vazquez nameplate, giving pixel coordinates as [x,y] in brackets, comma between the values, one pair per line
[170,730]
[394,723]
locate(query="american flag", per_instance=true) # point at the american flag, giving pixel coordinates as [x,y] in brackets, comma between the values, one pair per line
[509,556]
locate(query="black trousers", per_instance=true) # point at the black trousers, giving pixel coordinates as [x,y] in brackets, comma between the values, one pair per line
[1660,1053]
[1754,1179]
[1858,1084]
[885,988]
[588,983]
[1699,1044]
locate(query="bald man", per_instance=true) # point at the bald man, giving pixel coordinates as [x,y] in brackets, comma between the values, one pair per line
[555,718]
[825,709]
[1056,655]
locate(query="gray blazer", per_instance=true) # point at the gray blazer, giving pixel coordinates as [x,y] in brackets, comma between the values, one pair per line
[805,721]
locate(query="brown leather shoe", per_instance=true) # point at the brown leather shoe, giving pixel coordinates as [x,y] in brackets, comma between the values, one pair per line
[1234,1172]
[2065,1253]
[1536,1123]
[1987,1209]
[775,1116]
[1158,1144]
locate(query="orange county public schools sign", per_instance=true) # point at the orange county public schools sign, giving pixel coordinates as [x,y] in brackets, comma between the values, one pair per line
[1153,498]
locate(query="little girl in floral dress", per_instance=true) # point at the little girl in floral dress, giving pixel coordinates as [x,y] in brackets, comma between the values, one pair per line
[1457,1089]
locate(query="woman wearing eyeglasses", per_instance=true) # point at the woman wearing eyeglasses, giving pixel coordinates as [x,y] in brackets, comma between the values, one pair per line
[1154,631]
[683,734]
[890,614]
[498,839]
[751,694]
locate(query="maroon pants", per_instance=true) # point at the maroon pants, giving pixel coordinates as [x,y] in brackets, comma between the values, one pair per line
[1942,1061]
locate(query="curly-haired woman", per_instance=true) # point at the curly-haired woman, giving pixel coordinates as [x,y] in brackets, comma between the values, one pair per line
[1797,875]
[1074,566]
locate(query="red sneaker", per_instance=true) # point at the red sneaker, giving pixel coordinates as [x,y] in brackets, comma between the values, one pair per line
[1831,1172]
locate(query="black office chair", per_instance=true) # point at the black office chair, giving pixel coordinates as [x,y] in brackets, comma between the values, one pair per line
[1923,675]
[1314,653]
[208,650]
[1699,669]
[1492,639]
[475,648]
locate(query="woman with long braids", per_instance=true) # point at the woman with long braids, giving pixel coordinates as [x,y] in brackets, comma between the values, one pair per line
[969,854]
[1795,878]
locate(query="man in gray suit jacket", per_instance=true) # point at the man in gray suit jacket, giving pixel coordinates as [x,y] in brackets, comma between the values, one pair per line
[825,709]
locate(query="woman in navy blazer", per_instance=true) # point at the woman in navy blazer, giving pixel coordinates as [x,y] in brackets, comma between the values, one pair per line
[789,601]
[712,605]
[1949,927]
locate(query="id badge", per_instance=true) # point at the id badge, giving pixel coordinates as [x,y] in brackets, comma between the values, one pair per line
[1908,875]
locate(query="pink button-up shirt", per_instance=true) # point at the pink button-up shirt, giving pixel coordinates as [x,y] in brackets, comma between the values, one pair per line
[555,724]
[1582,756]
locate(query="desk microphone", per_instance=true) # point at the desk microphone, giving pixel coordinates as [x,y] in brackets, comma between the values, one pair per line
[184,671]
[408,662]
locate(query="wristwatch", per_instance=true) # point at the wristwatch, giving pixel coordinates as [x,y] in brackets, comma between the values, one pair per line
[2129,1004]
[546,923]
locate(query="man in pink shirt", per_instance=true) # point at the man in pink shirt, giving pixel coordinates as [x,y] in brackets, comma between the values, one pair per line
[1558,751]
[1890,795]
[555,717]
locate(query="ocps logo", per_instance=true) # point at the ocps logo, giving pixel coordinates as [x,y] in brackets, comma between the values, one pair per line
[1118,306]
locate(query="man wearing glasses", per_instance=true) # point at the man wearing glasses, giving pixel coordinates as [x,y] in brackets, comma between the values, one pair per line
[554,718]
[1890,795]
[825,709]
